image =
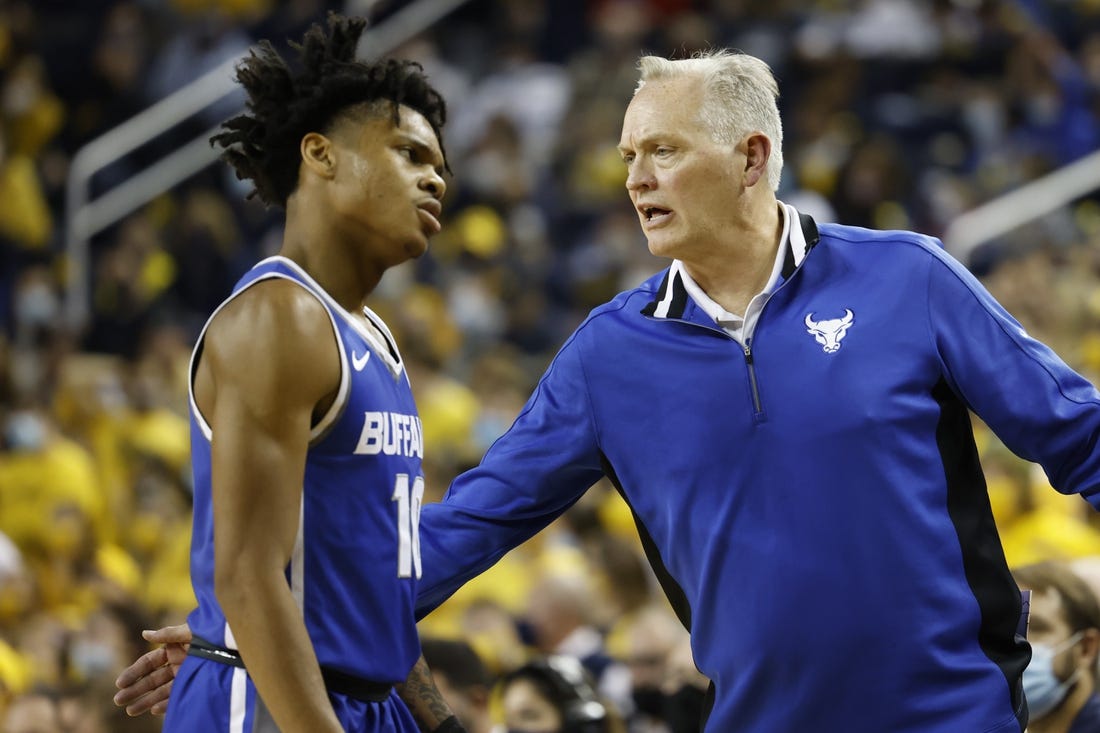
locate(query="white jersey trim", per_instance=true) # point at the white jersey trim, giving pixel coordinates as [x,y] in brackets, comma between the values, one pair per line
[238,699]
[337,406]
[382,350]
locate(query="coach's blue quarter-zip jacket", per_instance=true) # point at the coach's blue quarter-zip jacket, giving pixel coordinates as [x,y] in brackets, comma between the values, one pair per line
[812,504]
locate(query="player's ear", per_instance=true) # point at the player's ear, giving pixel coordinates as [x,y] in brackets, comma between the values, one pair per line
[318,154]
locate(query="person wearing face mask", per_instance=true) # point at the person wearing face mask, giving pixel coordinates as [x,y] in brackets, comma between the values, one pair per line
[667,690]
[1060,683]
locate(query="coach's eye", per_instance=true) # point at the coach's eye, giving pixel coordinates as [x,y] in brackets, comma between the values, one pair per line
[408,152]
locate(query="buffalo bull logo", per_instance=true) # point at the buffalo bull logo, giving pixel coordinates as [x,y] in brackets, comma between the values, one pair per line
[831,332]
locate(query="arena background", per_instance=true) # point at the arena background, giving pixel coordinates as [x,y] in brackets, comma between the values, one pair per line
[973,120]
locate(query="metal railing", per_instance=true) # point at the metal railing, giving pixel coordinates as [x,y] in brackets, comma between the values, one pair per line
[985,223]
[85,217]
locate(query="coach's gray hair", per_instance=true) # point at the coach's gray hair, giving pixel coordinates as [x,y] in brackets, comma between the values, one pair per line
[739,93]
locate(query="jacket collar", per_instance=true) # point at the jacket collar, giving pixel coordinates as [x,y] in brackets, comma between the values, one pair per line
[672,300]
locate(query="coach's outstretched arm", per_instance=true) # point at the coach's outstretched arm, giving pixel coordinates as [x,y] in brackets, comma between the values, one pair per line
[529,477]
[1037,405]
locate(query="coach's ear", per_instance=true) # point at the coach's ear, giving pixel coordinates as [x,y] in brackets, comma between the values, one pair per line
[758,149]
[318,155]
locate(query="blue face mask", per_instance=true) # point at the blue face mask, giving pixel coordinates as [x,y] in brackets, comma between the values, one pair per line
[1042,688]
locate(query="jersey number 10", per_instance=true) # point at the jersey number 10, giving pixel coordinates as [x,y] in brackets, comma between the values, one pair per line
[408,524]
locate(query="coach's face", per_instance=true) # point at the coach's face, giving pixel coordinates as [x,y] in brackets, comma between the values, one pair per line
[683,184]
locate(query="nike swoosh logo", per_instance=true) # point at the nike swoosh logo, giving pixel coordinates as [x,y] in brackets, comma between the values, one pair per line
[359,363]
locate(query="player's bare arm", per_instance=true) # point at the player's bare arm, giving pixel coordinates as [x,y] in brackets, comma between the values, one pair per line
[422,698]
[270,361]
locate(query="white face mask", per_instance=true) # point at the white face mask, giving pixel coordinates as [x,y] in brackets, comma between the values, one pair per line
[1043,690]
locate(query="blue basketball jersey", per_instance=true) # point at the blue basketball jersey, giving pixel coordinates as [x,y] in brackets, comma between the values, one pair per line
[218,698]
[357,557]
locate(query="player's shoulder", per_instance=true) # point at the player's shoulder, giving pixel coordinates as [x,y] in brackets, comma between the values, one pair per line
[272,345]
[273,314]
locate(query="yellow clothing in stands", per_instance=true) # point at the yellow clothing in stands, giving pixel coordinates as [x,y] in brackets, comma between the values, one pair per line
[168,583]
[1048,534]
[25,216]
[36,481]
[160,434]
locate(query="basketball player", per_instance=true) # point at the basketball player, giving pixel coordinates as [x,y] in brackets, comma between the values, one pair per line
[305,439]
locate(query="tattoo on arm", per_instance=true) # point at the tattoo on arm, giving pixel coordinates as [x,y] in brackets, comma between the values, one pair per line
[423,699]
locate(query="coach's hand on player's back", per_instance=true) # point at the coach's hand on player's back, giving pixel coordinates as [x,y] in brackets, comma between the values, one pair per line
[144,686]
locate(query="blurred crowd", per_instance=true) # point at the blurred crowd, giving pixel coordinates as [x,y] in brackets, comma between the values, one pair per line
[899,114]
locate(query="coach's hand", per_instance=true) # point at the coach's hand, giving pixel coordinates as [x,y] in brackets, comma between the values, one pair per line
[145,685]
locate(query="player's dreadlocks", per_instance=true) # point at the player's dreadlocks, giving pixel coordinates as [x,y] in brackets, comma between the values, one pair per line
[284,105]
